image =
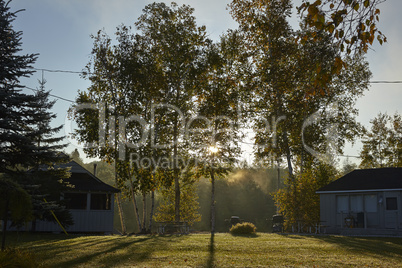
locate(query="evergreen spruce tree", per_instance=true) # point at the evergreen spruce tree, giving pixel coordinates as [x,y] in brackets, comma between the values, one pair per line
[29,152]
[41,180]
[15,141]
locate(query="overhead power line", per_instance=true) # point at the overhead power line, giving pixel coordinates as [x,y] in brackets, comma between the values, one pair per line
[54,96]
[61,71]
[84,72]
[354,156]
[385,82]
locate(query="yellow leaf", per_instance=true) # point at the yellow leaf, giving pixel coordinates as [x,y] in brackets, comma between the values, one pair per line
[331,28]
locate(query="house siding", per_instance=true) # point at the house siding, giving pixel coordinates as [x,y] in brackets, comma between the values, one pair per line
[382,221]
[85,221]
[392,219]
[98,219]
[327,205]
[92,220]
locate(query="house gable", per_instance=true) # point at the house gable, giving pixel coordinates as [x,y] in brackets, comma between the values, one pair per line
[85,181]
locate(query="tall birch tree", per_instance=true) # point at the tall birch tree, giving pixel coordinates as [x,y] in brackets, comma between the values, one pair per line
[174,43]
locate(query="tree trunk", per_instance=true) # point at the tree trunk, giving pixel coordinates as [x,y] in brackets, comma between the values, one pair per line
[177,197]
[288,154]
[5,222]
[176,175]
[279,183]
[33,225]
[212,200]
[144,212]
[112,126]
[291,175]
[152,210]
[121,214]
[213,187]
[118,200]
[137,215]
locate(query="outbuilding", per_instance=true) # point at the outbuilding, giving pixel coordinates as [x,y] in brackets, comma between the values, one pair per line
[91,203]
[363,202]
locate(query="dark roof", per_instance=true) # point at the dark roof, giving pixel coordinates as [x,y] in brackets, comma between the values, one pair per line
[83,180]
[366,180]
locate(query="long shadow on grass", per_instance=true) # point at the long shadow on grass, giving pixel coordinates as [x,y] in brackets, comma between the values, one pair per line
[211,255]
[136,252]
[108,252]
[16,238]
[64,245]
[390,247]
[211,248]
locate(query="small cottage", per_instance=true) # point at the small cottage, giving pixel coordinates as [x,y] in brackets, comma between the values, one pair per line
[363,202]
[91,203]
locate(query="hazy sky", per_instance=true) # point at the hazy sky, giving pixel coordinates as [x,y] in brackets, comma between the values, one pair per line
[59,30]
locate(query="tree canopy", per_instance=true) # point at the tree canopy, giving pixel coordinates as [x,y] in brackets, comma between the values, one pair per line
[161,96]
[352,23]
[292,85]
[382,144]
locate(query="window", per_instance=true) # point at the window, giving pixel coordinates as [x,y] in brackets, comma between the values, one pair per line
[391,203]
[356,203]
[100,201]
[342,202]
[370,203]
[76,200]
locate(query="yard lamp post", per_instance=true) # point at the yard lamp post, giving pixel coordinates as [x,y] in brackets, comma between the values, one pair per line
[213,150]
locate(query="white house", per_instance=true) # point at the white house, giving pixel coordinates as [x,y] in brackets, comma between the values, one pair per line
[366,201]
[91,203]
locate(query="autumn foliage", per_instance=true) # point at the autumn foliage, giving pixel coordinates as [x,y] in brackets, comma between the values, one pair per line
[298,200]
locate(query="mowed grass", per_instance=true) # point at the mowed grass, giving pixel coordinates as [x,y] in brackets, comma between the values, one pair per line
[202,250]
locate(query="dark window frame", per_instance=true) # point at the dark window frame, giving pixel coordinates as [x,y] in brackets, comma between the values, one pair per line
[101,201]
[391,203]
[76,201]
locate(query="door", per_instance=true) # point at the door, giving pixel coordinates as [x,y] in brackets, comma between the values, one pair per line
[391,210]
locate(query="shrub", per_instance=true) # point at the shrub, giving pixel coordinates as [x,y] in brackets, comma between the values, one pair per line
[11,258]
[245,228]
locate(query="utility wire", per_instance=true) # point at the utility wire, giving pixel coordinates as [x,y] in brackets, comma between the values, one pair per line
[61,71]
[342,155]
[385,82]
[84,72]
[55,96]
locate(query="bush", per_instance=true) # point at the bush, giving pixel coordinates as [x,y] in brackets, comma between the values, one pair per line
[11,258]
[245,228]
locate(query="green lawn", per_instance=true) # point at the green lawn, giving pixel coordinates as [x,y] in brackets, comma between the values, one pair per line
[195,250]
